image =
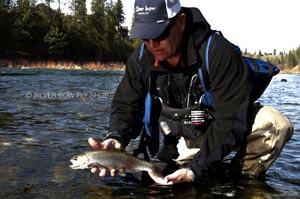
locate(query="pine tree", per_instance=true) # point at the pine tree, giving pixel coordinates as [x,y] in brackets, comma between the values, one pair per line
[56,42]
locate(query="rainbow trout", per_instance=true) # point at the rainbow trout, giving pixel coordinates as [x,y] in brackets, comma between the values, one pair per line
[112,159]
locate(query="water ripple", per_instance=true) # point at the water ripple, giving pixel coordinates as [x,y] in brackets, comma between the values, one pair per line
[47,115]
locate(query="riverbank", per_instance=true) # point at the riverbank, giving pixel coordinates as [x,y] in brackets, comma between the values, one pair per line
[25,64]
[295,70]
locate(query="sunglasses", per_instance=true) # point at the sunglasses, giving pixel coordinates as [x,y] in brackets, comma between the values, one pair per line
[166,32]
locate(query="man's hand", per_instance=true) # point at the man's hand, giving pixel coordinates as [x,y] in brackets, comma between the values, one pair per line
[107,144]
[179,176]
[159,179]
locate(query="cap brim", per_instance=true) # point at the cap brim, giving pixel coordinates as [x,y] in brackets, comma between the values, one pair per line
[148,30]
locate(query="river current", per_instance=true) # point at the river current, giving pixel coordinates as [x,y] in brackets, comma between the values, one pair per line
[46,116]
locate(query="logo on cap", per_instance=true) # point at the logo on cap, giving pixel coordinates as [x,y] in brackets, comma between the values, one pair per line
[153,16]
[144,10]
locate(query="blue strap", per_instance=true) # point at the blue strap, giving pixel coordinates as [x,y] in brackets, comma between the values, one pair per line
[152,132]
[148,107]
[151,127]
[140,57]
[202,80]
[147,115]
[207,52]
[148,100]
[141,50]
[206,98]
[206,64]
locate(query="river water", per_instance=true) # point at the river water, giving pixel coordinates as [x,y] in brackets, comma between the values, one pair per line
[46,116]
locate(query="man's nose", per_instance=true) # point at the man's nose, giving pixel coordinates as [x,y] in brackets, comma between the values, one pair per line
[153,43]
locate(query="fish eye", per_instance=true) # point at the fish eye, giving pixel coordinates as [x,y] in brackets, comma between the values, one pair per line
[75,158]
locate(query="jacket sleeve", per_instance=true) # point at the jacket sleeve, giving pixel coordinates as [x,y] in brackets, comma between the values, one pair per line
[230,88]
[127,107]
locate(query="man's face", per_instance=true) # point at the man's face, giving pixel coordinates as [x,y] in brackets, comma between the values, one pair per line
[167,47]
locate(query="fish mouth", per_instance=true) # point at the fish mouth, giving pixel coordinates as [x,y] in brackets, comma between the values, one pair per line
[74,165]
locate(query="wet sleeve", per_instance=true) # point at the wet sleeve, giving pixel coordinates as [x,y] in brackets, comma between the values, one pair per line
[230,88]
[127,108]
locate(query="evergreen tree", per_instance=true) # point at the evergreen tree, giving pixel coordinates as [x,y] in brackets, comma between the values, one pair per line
[80,10]
[118,13]
[78,7]
[23,24]
[97,26]
[291,59]
[56,42]
[297,55]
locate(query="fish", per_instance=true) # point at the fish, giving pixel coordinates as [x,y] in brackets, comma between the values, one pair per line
[113,159]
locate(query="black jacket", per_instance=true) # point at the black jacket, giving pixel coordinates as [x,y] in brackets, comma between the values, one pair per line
[228,83]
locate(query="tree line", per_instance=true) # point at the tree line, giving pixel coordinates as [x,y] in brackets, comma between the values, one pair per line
[283,60]
[32,30]
[286,61]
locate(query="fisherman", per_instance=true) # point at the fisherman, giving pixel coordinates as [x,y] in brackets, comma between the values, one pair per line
[162,75]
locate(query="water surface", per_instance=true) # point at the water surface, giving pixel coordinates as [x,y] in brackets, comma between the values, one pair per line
[46,116]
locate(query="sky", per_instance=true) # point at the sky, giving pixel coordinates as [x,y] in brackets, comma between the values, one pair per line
[251,24]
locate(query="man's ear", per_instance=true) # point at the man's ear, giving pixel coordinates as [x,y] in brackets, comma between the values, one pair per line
[182,21]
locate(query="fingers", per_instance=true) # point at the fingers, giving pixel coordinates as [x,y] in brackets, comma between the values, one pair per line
[180,176]
[117,145]
[111,144]
[103,171]
[174,178]
[95,144]
[158,179]
[107,144]
[113,172]
[95,170]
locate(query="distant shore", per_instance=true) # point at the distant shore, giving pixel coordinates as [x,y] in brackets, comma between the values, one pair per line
[295,70]
[24,64]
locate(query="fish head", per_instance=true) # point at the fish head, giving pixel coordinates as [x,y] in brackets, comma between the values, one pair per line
[80,161]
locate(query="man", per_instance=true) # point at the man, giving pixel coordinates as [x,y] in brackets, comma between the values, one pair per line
[161,91]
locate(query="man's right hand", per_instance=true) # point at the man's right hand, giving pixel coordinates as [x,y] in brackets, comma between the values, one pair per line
[107,144]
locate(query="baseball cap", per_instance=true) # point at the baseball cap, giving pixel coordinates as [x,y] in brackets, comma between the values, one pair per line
[153,17]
